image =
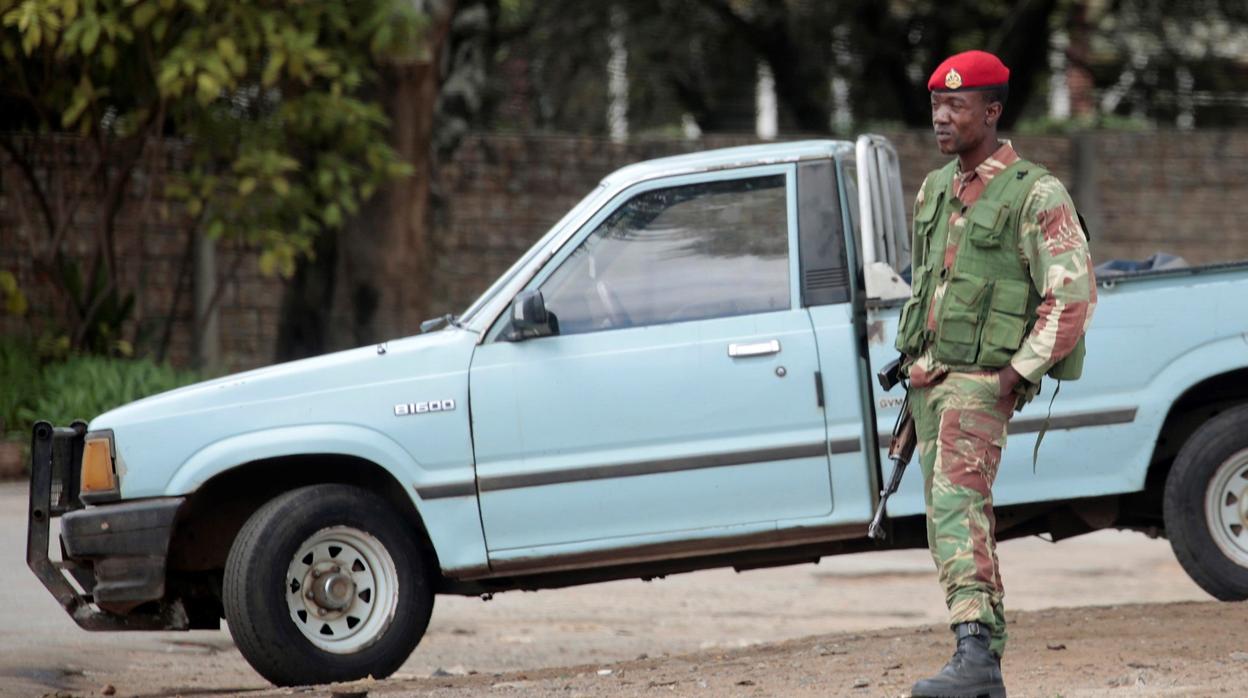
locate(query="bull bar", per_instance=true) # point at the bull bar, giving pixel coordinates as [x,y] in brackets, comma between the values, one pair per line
[56,453]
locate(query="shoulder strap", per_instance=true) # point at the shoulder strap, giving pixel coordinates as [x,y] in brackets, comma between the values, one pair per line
[936,186]
[1014,183]
[944,176]
[1012,186]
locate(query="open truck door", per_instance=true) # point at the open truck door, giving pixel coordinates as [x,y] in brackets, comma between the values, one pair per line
[884,245]
[885,237]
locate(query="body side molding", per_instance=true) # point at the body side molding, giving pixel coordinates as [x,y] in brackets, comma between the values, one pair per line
[668,465]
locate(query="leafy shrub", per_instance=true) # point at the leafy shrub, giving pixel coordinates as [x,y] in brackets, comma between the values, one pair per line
[19,383]
[85,386]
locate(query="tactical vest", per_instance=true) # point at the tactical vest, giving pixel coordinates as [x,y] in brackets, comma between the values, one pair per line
[989,306]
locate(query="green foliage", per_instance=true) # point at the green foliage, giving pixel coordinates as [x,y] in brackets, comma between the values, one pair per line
[20,376]
[275,101]
[102,333]
[12,300]
[84,387]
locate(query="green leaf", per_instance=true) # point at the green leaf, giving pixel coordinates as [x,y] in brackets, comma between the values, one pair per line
[238,64]
[273,69]
[268,263]
[167,77]
[144,14]
[208,86]
[23,16]
[333,215]
[15,302]
[31,38]
[226,47]
[215,66]
[90,35]
[325,179]
[74,111]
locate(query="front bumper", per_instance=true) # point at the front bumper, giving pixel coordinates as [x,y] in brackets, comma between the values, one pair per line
[116,552]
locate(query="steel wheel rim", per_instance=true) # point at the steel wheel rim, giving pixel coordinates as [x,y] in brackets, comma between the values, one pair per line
[342,589]
[1226,507]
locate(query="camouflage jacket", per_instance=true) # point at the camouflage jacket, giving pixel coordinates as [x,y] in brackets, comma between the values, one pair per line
[1055,250]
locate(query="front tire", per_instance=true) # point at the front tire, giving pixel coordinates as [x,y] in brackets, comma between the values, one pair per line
[323,584]
[1206,505]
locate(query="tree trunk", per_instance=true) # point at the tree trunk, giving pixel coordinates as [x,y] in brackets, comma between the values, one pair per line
[303,328]
[386,250]
[370,281]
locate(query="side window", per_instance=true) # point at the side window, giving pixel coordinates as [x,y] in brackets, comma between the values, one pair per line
[714,249]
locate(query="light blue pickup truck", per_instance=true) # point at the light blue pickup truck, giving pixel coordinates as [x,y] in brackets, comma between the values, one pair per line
[677,376]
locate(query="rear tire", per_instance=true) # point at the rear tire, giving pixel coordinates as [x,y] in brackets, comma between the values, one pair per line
[323,584]
[1206,505]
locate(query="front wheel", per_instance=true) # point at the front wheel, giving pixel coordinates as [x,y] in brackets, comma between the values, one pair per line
[1206,505]
[323,584]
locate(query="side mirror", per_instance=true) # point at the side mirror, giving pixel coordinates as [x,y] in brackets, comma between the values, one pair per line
[529,317]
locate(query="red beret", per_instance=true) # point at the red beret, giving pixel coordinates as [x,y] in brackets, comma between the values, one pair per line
[969,70]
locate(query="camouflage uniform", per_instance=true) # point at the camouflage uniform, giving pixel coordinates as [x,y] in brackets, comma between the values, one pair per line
[959,417]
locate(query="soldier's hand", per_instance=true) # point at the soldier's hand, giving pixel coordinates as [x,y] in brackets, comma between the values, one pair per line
[1008,379]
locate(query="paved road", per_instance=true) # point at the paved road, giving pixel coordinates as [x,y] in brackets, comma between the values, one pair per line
[41,650]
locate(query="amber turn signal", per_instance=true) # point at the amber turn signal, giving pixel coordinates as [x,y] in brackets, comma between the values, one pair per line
[97,467]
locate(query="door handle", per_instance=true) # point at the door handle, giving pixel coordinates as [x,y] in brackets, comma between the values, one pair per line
[771,346]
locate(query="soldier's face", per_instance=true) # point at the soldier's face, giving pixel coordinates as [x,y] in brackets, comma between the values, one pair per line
[963,120]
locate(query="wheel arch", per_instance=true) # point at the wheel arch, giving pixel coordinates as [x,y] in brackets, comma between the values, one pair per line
[216,510]
[1197,404]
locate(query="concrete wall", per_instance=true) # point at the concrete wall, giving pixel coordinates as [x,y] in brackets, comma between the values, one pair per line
[1179,192]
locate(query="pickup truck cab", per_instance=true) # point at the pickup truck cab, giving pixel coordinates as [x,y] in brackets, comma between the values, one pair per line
[677,376]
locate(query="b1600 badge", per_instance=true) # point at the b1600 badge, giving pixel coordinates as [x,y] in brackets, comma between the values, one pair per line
[406,408]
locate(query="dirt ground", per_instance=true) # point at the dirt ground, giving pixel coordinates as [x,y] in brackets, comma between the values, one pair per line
[1182,649]
[1176,649]
[1131,621]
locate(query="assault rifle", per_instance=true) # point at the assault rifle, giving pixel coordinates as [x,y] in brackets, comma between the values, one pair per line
[900,449]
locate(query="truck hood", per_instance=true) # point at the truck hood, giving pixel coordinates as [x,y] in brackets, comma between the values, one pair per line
[252,390]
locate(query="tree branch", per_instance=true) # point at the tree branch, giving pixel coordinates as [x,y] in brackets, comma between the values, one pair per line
[28,173]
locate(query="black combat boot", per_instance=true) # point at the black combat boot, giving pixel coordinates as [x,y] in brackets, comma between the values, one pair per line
[973,671]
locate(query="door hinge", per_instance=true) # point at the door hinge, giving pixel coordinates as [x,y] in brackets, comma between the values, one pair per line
[819,388]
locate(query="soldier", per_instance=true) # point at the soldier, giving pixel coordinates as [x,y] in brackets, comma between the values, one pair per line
[1002,294]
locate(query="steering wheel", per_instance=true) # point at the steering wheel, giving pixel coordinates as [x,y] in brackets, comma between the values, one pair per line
[611,304]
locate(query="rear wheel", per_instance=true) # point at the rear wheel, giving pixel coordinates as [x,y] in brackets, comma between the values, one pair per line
[1206,505]
[324,584]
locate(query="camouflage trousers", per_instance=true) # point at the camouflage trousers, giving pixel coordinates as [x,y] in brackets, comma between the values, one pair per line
[960,422]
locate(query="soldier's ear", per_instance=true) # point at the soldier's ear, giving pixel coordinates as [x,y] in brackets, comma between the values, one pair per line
[992,112]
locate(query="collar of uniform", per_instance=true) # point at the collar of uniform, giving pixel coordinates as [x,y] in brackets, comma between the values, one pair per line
[994,164]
